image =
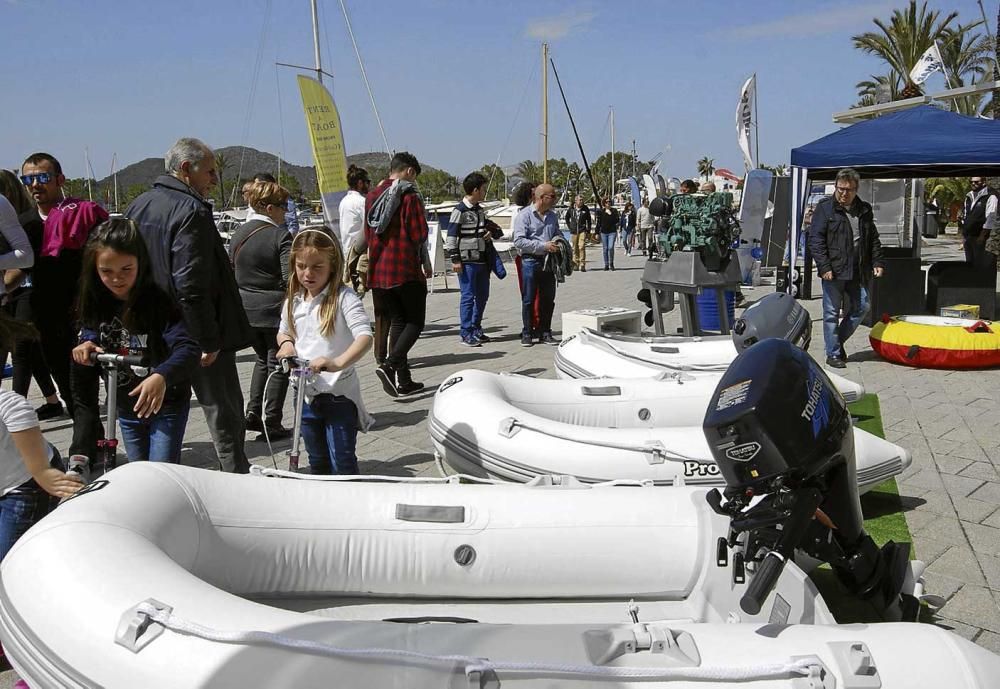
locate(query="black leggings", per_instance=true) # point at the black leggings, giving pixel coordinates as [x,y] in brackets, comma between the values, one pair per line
[27,358]
[406,307]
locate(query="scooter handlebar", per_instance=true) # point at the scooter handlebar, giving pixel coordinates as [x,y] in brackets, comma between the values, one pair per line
[117,359]
[286,364]
[762,583]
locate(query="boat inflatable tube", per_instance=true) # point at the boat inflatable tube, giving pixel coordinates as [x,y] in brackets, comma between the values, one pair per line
[598,430]
[203,579]
[355,564]
[590,354]
[936,342]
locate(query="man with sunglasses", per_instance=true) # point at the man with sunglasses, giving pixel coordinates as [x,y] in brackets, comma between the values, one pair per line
[979,214]
[58,228]
[846,248]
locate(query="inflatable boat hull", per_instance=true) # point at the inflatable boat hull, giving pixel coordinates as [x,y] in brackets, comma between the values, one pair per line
[597,430]
[590,354]
[934,342]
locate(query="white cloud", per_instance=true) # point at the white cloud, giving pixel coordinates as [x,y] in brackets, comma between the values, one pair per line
[815,23]
[559,26]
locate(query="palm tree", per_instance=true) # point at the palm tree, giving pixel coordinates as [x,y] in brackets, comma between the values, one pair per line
[529,171]
[221,165]
[948,192]
[706,166]
[967,57]
[901,42]
[870,90]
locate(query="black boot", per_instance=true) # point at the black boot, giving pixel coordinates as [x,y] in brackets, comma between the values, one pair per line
[404,382]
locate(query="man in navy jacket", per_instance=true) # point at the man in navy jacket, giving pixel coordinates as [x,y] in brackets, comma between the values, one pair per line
[847,251]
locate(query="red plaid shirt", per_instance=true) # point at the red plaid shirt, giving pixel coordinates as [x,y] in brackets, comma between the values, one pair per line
[394,255]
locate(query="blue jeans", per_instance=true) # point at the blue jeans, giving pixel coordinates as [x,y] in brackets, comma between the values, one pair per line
[474,281]
[330,434]
[850,295]
[608,248]
[535,279]
[157,438]
[19,511]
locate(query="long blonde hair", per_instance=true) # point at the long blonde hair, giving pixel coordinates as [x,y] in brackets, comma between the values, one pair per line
[320,239]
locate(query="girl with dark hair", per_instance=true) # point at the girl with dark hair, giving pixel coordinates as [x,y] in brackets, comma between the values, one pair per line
[324,322]
[122,310]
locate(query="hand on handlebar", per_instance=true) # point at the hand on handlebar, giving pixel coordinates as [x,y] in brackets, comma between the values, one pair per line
[82,352]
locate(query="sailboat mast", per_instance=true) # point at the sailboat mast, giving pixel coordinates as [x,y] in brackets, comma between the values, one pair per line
[611,191]
[114,176]
[545,113]
[86,160]
[319,63]
[756,120]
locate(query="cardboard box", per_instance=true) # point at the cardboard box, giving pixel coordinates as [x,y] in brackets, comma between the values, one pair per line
[960,311]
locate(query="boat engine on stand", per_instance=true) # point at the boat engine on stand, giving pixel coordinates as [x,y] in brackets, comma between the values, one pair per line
[695,255]
[782,437]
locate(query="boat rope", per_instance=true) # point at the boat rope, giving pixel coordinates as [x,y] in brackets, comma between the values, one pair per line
[364,76]
[510,423]
[503,149]
[633,357]
[472,666]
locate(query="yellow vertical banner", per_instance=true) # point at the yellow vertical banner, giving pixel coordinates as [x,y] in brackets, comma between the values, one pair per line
[327,141]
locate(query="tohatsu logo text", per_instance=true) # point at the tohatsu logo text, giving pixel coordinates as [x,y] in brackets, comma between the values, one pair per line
[813,401]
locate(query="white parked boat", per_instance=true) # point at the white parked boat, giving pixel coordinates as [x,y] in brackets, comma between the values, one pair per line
[237,581]
[590,354]
[517,428]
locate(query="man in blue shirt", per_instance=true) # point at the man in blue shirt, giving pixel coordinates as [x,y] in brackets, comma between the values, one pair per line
[535,228]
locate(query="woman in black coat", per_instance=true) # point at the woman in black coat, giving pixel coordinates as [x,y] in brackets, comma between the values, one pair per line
[259,250]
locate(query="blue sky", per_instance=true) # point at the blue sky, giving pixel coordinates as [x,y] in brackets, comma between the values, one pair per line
[456,83]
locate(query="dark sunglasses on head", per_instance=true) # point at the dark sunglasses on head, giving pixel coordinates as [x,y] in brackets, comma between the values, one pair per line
[40,177]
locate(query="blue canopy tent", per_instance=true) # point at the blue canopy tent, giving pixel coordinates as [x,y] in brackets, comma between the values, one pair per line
[919,142]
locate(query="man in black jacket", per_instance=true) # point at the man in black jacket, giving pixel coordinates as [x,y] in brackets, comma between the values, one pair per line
[578,222]
[847,251]
[979,214]
[190,263]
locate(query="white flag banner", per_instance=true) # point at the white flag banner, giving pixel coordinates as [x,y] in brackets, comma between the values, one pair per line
[928,63]
[744,117]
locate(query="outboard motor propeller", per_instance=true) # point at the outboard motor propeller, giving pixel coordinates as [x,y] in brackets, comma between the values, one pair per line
[782,437]
[775,315]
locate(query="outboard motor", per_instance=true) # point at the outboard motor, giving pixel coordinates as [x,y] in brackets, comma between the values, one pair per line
[776,315]
[782,437]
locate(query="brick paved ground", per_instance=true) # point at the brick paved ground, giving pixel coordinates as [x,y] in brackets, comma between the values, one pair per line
[947,420]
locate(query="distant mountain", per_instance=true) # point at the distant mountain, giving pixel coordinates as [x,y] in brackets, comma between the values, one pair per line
[139,176]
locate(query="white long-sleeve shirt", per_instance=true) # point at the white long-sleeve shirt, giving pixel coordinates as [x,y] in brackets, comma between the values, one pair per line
[351,323]
[20,254]
[352,221]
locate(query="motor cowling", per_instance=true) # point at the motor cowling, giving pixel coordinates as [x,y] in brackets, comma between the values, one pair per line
[775,315]
[775,419]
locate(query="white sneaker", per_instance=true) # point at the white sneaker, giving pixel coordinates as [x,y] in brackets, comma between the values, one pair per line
[79,465]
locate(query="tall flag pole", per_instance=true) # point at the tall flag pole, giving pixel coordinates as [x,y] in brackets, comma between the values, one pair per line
[744,119]
[327,139]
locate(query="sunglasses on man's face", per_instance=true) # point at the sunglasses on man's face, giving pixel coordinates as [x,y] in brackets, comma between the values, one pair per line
[40,178]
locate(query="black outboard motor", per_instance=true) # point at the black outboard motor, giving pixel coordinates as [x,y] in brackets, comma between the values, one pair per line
[775,315]
[781,433]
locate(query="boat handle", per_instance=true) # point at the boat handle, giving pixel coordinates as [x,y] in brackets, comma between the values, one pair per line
[437,514]
[661,349]
[602,391]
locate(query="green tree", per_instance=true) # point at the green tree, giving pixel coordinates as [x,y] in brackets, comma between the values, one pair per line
[706,166]
[437,186]
[221,165]
[131,193]
[529,171]
[968,58]
[495,178]
[907,35]
[290,183]
[948,192]
[887,85]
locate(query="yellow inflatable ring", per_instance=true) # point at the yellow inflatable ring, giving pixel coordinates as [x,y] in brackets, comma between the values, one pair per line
[935,342]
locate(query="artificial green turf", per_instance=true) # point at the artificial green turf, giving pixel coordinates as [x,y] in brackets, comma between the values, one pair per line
[884,520]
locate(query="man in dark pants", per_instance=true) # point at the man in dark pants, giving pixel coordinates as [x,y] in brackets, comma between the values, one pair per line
[64,225]
[396,232]
[845,245]
[535,227]
[190,263]
[578,222]
[979,214]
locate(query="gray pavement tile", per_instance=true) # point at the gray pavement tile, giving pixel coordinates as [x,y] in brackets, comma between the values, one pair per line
[983,538]
[960,486]
[990,565]
[943,528]
[989,640]
[988,492]
[926,479]
[966,631]
[942,584]
[936,502]
[994,519]
[959,563]
[971,451]
[947,464]
[973,605]
[971,510]
[981,470]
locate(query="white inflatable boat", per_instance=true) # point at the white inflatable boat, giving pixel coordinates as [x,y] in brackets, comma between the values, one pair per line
[590,354]
[190,578]
[516,428]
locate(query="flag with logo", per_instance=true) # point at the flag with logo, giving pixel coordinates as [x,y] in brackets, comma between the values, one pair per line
[928,63]
[744,118]
[327,141]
